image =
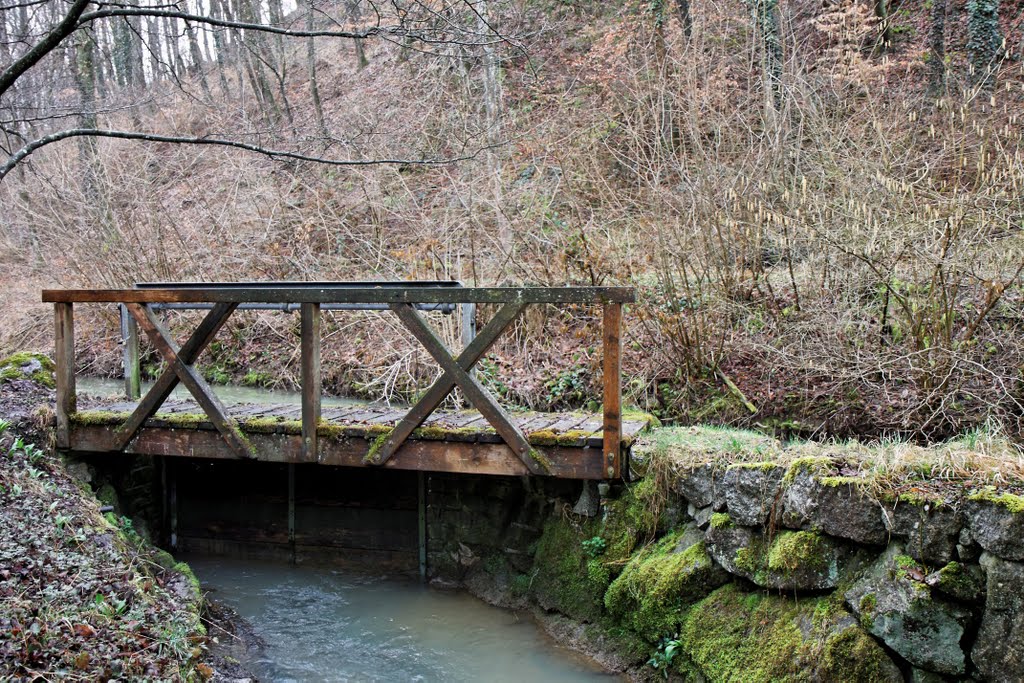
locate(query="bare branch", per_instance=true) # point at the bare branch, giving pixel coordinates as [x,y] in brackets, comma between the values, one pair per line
[31,147]
[68,25]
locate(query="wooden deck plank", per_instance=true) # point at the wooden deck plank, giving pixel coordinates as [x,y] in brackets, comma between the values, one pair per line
[423,455]
[456,441]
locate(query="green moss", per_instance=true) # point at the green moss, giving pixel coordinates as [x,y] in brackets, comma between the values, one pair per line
[633,414]
[273,425]
[441,433]
[758,466]
[869,603]
[186,571]
[633,518]
[853,655]
[811,464]
[836,482]
[542,460]
[378,443]
[721,520]
[107,495]
[736,636]
[97,418]
[548,437]
[1008,501]
[11,368]
[791,550]
[257,379]
[183,420]
[954,580]
[566,579]
[652,593]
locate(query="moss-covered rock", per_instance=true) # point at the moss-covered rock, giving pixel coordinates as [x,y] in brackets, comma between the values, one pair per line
[789,560]
[999,648]
[996,521]
[736,636]
[928,527]
[897,606]
[839,506]
[568,579]
[652,593]
[32,366]
[959,581]
[751,491]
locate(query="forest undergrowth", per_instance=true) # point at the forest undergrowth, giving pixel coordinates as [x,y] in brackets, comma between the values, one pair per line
[825,232]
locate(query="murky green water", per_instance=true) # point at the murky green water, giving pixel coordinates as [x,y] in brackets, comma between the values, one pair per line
[326,625]
[230,393]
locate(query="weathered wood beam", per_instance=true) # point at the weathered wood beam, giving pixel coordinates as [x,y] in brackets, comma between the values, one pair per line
[271,293]
[475,392]
[433,397]
[179,362]
[130,356]
[64,357]
[427,456]
[612,378]
[311,389]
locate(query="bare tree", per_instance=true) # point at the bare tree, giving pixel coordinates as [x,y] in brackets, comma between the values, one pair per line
[98,44]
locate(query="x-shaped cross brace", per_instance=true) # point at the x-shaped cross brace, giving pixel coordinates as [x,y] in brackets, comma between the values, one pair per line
[180,368]
[456,372]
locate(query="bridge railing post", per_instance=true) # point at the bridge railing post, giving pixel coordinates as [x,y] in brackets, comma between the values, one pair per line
[612,330]
[64,361]
[311,390]
[130,355]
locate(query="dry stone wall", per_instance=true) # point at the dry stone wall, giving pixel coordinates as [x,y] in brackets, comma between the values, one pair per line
[754,572]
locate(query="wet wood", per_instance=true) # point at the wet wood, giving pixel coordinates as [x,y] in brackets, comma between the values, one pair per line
[430,456]
[130,356]
[64,362]
[471,387]
[437,392]
[283,293]
[612,389]
[311,392]
[180,368]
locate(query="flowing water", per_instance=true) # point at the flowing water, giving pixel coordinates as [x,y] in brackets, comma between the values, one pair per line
[228,393]
[325,625]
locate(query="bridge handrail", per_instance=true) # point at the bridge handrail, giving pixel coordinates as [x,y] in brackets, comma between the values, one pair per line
[339,295]
[403,299]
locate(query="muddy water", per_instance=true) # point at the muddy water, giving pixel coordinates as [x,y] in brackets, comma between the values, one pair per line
[326,625]
[229,393]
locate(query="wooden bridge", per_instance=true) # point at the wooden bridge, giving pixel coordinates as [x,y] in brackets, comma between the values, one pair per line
[487,440]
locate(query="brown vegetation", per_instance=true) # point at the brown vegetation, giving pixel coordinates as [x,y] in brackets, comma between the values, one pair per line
[843,253]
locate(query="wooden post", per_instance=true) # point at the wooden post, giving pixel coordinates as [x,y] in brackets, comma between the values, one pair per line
[612,389]
[421,509]
[291,511]
[130,355]
[310,353]
[64,359]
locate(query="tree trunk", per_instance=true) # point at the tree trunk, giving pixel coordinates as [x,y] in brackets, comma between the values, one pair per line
[683,10]
[983,41]
[355,15]
[155,48]
[937,47]
[314,90]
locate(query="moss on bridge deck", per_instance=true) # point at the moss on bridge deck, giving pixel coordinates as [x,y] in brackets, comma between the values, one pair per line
[571,444]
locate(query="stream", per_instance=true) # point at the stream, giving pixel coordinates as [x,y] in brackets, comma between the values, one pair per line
[228,393]
[325,625]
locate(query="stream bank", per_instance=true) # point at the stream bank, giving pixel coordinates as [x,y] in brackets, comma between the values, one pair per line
[736,558]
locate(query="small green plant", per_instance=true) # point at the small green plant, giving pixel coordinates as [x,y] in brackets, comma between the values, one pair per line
[111,607]
[4,426]
[594,547]
[662,658]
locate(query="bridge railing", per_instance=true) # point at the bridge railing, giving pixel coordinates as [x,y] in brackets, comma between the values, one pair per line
[405,300]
